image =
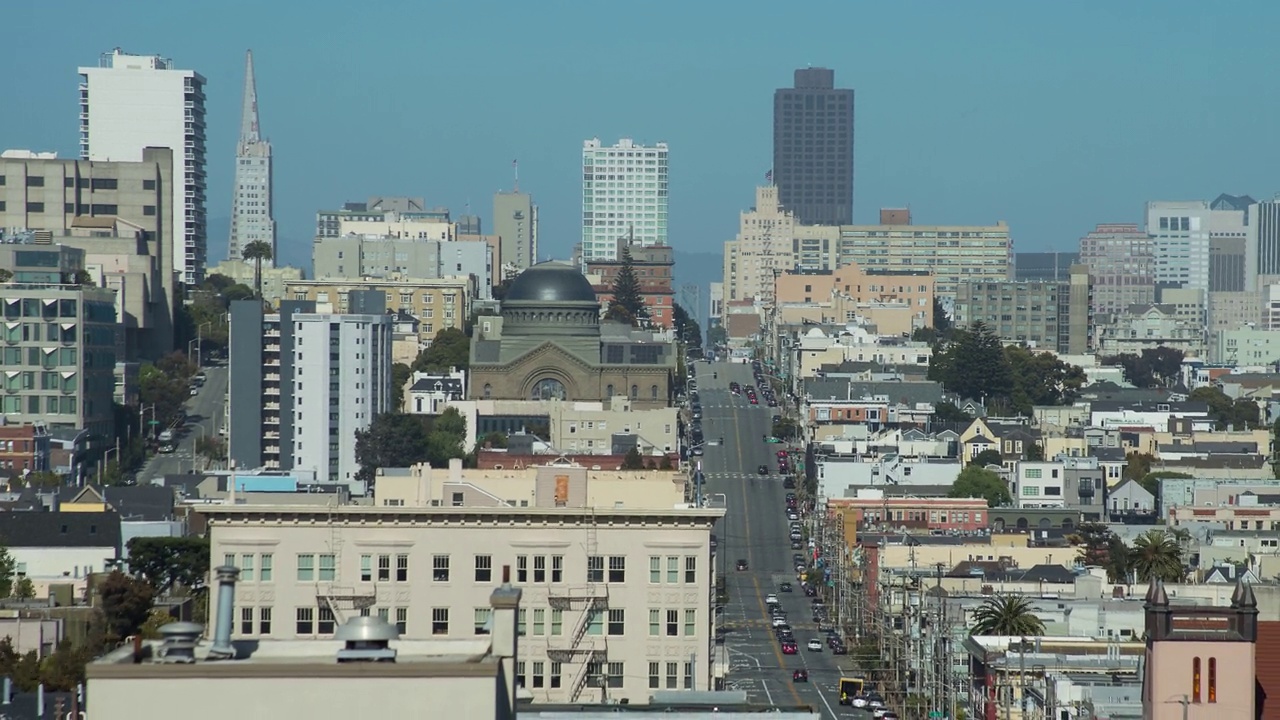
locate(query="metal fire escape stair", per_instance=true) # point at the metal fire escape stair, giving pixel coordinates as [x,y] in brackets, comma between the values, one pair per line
[341,599]
[577,649]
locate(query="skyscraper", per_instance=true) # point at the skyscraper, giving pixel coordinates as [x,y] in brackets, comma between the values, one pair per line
[131,102]
[624,194]
[515,222]
[813,148]
[251,215]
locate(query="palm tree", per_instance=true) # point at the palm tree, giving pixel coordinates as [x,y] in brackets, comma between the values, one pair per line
[257,251]
[1157,555]
[1006,615]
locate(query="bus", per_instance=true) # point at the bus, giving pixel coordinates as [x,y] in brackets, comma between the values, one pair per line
[850,688]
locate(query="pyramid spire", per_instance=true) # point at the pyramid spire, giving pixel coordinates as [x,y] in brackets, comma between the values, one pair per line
[249,110]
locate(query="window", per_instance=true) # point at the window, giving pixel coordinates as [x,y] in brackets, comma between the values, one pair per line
[555,674]
[327,567]
[635,392]
[246,567]
[264,573]
[655,675]
[366,568]
[691,569]
[617,568]
[539,621]
[1032,473]
[439,621]
[557,621]
[688,676]
[246,621]
[520,673]
[35,181]
[229,559]
[672,669]
[539,568]
[325,623]
[484,568]
[655,622]
[1195,680]
[595,568]
[482,615]
[673,623]
[306,568]
[673,569]
[384,568]
[617,621]
[557,568]
[522,568]
[522,618]
[1213,680]
[655,569]
[402,568]
[264,621]
[614,675]
[306,616]
[538,678]
[690,622]
[402,620]
[35,207]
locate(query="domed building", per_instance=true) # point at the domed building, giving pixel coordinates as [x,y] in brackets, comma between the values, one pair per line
[550,343]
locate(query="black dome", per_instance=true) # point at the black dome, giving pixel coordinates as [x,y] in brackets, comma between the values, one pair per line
[551,282]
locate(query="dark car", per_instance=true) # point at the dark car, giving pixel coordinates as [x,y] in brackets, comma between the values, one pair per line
[788,483]
[800,676]
[796,545]
[742,564]
[840,649]
[784,587]
[763,469]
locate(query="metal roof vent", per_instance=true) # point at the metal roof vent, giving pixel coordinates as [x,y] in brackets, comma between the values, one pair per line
[179,644]
[367,639]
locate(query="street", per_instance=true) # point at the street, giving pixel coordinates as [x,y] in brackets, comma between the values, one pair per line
[203,412]
[756,530]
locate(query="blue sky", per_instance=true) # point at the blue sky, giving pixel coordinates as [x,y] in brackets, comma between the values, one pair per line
[1052,116]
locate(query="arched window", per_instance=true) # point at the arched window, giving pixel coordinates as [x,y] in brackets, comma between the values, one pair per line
[608,390]
[653,392]
[635,392]
[1195,680]
[488,391]
[1213,680]
[548,389]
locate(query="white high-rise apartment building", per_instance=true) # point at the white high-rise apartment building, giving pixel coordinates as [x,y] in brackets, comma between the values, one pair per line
[132,102]
[251,216]
[341,381]
[624,194]
[1180,234]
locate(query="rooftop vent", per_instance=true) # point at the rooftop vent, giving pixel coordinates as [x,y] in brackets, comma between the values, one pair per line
[179,643]
[367,639]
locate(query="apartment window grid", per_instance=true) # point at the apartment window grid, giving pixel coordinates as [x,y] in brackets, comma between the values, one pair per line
[265,561]
[440,621]
[617,622]
[617,568]
[484,568]
[440,568]
[673,670]
[481,621]
[595,568]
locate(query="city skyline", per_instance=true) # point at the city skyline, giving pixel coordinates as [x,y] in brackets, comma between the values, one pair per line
[1050,112]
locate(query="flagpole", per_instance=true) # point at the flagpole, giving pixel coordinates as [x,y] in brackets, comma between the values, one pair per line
[515,168]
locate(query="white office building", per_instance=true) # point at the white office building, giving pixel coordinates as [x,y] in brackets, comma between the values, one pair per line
[131,102]
[252,219]
[1180,234]
[624,194]
[341,380]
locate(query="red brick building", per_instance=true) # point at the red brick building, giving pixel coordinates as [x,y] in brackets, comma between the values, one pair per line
[917,513]
[23,448]
[653,265]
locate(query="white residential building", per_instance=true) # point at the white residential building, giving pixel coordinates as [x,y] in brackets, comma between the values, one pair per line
[1038,484]
[624,194]
[1180,234]
[252,219]
[132,102]
[342,380]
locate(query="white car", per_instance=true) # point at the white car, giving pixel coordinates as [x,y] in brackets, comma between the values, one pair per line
[771,599]
[815,645]
[779,621]
[859,701]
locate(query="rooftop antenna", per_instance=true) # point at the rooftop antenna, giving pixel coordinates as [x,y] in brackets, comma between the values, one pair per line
[515,169]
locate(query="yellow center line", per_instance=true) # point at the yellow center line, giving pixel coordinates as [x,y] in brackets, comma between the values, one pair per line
[755,581]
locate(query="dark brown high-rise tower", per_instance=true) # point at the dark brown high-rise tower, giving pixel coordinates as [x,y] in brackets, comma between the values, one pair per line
[813,148]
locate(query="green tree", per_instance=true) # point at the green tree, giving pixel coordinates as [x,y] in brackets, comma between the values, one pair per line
[167,392]
[83,278]
[156,620]
[1240,413]
[24,589]
[1157,555]
[446,437]
[632,460]
[687,329]
[495,440]
[978,482]
[1035,452]
[257,251]
[785,428]
[125,604]
[1006,615]
[665,463]
[451,348]
[169,563]
[1040,378]
[177,364]
[947,411]
[1138,465]
[987,457]
[63,670]
[26,672]
[391,440]
[5,275]
[973,365]
[941,322]
[626,303]
[46,479]
[717,336]
[1165,364]
[1151,481]
[8,568]
[400,374]
[1097,546]
[211,448]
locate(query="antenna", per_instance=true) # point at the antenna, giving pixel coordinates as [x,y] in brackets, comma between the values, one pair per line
[515,169]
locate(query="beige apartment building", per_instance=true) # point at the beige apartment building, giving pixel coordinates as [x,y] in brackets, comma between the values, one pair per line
[616,601]
[1044,314]
[762,248]
[896,303]
[438,304]
[577,426]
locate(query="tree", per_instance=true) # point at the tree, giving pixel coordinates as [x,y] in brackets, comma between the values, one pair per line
[391,440]
[978,482]
[1139,464]
[24,589]
[167,392]
[941,321]
[211,448]
[1035,452]
[1151,481]
[1007,615]
[126,604]
[400,374]
[451,348]
[63,670]
[632,460]
[987,457]
[8,566]
[445,438]
[256,251]
[156,620]
[83,278]
[687,329]
[5,275]
[1155,366]
[785,428]
[177,364]
[494,439]
[1240,413]
[1040,378]
[665,463]
[973,365]
[169,563]
[1157,556]
[947,411]
[627,301]
[1099,547]
[44,479]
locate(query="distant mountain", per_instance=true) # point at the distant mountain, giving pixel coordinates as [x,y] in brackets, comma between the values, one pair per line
[699,269]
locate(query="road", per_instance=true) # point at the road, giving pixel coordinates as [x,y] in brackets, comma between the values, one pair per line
[203,412]
[756,530]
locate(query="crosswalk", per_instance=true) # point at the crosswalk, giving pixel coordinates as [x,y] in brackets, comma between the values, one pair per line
[760,623]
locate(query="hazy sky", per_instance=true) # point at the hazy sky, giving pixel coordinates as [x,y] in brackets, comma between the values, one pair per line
[1052,116]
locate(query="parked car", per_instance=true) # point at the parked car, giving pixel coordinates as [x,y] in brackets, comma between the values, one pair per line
[784,587]
[771,599]
[742,565]
[815,645]
[800,676]
[763,469]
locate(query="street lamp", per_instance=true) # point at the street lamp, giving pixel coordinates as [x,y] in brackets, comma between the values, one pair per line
[105,455]
[142,413]
[200,343]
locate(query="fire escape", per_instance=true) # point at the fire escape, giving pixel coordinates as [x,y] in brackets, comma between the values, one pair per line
[341,600]
[581,654]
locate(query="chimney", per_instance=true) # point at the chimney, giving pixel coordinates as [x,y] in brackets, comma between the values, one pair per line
[505,601]
[179,642]
[222,647]
[367,638]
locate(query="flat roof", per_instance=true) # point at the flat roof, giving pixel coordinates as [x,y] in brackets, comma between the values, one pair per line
[359,511]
